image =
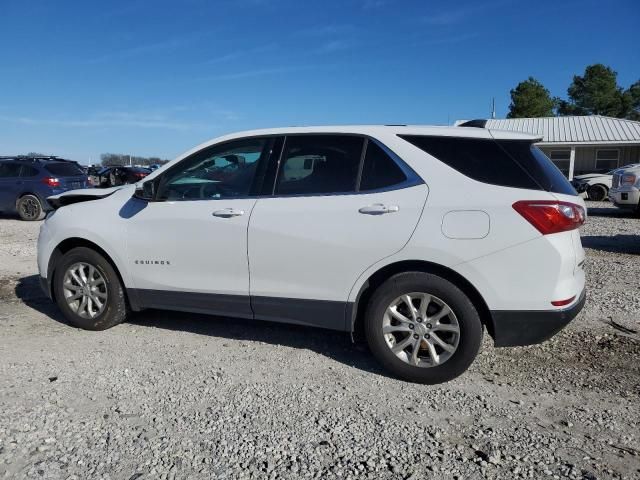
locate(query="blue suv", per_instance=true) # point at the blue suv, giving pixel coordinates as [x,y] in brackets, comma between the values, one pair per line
[26,182]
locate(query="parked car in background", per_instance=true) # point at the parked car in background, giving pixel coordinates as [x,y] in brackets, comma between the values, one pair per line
[595,185]
[120,175]
[92,173]
[154,167]
[625,188]
[347,228]
[26,182]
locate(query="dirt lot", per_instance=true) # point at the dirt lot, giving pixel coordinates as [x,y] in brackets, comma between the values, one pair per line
[171,395]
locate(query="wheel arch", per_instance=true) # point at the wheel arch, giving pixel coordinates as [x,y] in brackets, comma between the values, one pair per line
[386,272]
[73,242]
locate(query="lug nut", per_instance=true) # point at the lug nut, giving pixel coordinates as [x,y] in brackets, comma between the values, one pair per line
[416,336]
[427,336]
[411,327]
[428,325]
[419,320]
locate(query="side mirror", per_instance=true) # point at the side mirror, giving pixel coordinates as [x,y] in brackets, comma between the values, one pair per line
[145,191]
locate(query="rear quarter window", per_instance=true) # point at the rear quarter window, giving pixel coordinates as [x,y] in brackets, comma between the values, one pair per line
[517,164]
[66,169]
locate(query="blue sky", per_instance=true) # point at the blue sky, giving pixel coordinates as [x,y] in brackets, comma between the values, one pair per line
[157,77]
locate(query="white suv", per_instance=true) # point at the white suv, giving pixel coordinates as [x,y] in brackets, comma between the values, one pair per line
[417,237]
[625,189]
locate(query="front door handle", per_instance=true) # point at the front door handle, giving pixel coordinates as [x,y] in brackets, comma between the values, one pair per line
[228,213]
[379,209]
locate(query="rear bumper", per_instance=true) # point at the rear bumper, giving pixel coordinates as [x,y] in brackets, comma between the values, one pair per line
[512,328]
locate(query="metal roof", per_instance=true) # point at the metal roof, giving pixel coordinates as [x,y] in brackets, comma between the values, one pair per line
[577,129]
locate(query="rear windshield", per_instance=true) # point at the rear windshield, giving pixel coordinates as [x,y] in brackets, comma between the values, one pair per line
[64,169]
[508,163]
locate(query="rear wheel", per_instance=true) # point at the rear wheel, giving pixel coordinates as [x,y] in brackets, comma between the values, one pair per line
[597,193]
[30,208]
[88,290]
[422,328]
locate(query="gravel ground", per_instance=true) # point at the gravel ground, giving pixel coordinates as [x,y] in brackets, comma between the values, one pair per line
[172,395]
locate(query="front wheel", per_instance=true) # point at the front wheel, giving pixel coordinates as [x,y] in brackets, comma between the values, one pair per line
[597,193]
[88,290]
[423,328]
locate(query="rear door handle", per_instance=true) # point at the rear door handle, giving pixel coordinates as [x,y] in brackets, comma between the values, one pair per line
[228,213]
[379,209]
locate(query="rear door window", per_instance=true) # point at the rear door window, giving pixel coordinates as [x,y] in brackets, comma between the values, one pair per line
[64,169]
[379,169]
[506,163]
[319,164]
[28,171]
[9,169]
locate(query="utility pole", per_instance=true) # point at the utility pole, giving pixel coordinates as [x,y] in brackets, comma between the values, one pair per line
[493,107]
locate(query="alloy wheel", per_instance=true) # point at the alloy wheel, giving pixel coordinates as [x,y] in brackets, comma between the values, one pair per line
[85,290]
[421,329]
[29,208]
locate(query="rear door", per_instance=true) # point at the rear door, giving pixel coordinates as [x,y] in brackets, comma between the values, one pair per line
[340,203]
[10,185]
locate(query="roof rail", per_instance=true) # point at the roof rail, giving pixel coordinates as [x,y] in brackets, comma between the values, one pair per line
[478,123]
[35,158]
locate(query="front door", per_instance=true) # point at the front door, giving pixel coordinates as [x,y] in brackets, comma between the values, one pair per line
[341,203]
[188,249]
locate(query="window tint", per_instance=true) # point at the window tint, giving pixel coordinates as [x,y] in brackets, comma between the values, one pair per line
[379,170]
[533,161]
[64,169]
[220,171]
[28,171]
[319,164]
[8,169]
[515,164]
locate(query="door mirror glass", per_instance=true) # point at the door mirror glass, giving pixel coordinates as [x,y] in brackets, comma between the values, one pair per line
[145,190]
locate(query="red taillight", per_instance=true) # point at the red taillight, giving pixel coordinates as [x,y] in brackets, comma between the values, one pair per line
[562,303]
[549,216]
[51,181]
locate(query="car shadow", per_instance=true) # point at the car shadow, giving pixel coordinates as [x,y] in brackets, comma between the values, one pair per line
[332,344]
[629,244]
[29,292]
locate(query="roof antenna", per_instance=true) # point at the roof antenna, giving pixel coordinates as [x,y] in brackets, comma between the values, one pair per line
[493,108]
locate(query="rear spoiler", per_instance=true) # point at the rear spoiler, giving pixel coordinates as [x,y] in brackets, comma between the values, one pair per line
[478,123]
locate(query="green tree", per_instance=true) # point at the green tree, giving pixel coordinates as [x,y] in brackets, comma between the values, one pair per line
[596,93]
[632,98]
[530,99]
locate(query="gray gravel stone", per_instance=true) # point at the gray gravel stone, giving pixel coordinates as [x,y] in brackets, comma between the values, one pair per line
[173,396]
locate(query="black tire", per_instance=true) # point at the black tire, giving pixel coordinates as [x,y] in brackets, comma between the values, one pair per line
[115,307]
[30,208]
[597,193]
[470,326]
